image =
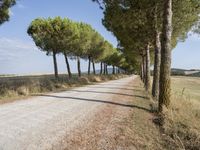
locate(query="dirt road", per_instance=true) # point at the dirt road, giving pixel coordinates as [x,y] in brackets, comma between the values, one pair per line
[81,118]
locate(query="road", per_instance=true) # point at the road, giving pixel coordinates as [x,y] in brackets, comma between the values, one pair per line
[65,120]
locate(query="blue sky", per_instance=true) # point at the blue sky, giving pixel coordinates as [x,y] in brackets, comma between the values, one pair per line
[18,54]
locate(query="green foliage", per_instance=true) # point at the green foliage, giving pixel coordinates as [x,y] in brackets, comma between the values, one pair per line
[4,9]
[134,22]
[74,39]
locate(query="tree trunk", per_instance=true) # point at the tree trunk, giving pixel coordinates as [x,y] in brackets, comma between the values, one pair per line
[144,68]
[165,68]
[89,63]
[79,66]
[93,65]
[68,66]
[55,65]
[148,72]
[104,71]
[156,73]
[141,72]
[101,68]
[113,72]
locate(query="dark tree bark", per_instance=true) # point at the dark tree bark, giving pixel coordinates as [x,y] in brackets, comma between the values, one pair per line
[144,68]
[104,71]
[165,68]
[79,66]
[113,71]
[55,65]
[68,66]
[101,68]
[156,73]
[89,63]
[148,72]
[141,71]
[119,71]
[93,65]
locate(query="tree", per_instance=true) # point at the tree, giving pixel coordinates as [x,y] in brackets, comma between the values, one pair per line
[108,51]
[95,51]
[4,9]
[82,43]
[68,37]
[165,82]
[45,33]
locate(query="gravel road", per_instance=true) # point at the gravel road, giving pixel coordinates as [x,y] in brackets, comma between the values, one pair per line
[44,121]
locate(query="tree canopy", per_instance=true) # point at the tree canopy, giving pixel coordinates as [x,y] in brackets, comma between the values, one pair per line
[73,39]
[151,29]
[4,9]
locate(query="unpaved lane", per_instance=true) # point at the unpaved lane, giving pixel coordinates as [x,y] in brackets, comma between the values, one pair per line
[43,121]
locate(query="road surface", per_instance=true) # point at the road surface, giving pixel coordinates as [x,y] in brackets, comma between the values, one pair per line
[65,120]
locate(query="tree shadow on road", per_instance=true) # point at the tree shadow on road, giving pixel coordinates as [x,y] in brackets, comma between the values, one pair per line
[122,94]
[96,101]
[116,87]
[118,84]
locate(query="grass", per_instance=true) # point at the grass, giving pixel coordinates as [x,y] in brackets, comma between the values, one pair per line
[187,86]
[12,88]
[140,126]
[182,122]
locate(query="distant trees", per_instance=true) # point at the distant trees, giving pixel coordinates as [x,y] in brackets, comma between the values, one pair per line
[72,39]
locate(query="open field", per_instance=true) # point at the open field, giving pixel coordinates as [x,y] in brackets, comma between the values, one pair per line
[182,121]
[188,86]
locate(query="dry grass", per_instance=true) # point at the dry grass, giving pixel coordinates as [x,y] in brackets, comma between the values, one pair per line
[182,121]
[139,127]
[12,88]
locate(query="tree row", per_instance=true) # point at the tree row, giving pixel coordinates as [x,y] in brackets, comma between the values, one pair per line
[147,31]
[75,40]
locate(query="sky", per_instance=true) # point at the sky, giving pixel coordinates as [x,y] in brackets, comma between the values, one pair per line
[19,55]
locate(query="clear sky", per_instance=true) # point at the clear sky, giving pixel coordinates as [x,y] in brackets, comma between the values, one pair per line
[19,55]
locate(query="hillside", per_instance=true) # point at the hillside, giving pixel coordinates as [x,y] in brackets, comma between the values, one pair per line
[184,72]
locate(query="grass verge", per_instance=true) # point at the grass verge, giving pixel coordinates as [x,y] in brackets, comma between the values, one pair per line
[12,88]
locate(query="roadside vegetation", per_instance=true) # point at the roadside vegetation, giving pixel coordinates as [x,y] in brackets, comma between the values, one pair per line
[183,118]
[12,88]
[180,129]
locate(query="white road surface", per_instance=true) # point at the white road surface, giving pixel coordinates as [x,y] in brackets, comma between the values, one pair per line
[40,122]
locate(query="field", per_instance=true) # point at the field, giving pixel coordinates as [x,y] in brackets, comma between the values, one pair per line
[183,119]
[188,86]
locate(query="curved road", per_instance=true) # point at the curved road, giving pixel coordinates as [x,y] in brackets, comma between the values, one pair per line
[46,121]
